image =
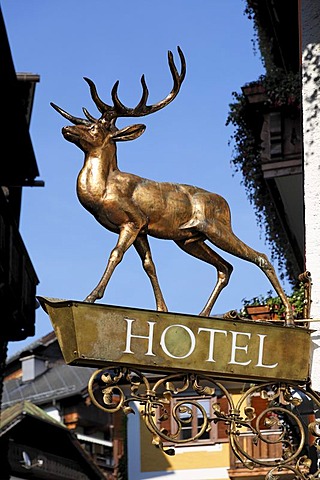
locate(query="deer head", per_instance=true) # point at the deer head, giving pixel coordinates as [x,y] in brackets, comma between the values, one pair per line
[94,132]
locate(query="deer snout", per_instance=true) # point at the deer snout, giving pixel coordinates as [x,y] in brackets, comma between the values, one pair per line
[65,130]
[69,133]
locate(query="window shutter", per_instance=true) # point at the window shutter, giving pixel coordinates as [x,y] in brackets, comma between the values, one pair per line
[259,404]
[221,426]
[166,424]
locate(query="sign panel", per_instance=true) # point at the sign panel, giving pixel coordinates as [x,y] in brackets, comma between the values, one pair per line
[102,335]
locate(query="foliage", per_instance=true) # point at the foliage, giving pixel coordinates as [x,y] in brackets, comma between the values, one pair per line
[282,88]
[260,41]
[282,91]
[296,299]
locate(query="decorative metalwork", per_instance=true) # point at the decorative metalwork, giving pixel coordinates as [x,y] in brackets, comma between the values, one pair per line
[305,277]
[282,424]
[135,207]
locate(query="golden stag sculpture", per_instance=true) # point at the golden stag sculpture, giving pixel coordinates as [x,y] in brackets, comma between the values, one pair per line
[135,207]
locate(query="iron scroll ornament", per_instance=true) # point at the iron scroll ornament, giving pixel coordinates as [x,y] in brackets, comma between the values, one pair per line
[280,424]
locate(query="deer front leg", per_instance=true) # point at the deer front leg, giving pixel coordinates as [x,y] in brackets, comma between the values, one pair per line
[127,236]
[142,246]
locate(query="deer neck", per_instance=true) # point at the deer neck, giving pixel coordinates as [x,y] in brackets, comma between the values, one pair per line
[95,173]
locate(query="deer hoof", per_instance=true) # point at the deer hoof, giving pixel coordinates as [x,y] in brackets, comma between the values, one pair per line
[289,322]
[90,298]
[162,309]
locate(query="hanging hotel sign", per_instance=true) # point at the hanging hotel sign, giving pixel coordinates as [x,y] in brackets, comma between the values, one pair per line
[102,335]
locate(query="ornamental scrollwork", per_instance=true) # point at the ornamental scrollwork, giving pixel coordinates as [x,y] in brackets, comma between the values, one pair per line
[169,404]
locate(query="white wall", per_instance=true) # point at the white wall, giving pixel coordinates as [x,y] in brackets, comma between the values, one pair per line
[310,34]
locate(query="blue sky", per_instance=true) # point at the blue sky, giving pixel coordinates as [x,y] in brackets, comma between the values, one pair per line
[187,142]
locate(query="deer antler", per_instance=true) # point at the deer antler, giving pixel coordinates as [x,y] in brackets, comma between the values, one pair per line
[71,118]
[120,110]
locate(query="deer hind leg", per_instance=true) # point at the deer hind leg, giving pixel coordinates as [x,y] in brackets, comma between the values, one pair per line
[224,238]
[127,236]
[263,262]
[142,246]
[200,250]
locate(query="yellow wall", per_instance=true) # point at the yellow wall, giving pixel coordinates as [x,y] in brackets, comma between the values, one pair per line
[153,459]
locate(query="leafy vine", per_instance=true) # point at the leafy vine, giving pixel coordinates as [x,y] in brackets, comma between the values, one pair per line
[281,91]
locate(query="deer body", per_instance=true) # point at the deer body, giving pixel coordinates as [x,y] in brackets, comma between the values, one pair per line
[135,207]
[148,204]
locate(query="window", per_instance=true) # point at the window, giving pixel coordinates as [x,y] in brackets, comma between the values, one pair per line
[190,413]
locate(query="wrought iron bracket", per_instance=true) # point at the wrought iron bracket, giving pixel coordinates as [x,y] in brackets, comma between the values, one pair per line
[282,422]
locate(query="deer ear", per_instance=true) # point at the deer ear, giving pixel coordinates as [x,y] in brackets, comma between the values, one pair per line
[129,133]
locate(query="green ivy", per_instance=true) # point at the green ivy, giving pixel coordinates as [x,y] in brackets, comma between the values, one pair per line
[282,91]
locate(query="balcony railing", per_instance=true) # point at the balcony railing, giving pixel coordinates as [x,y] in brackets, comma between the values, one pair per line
[267,450]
